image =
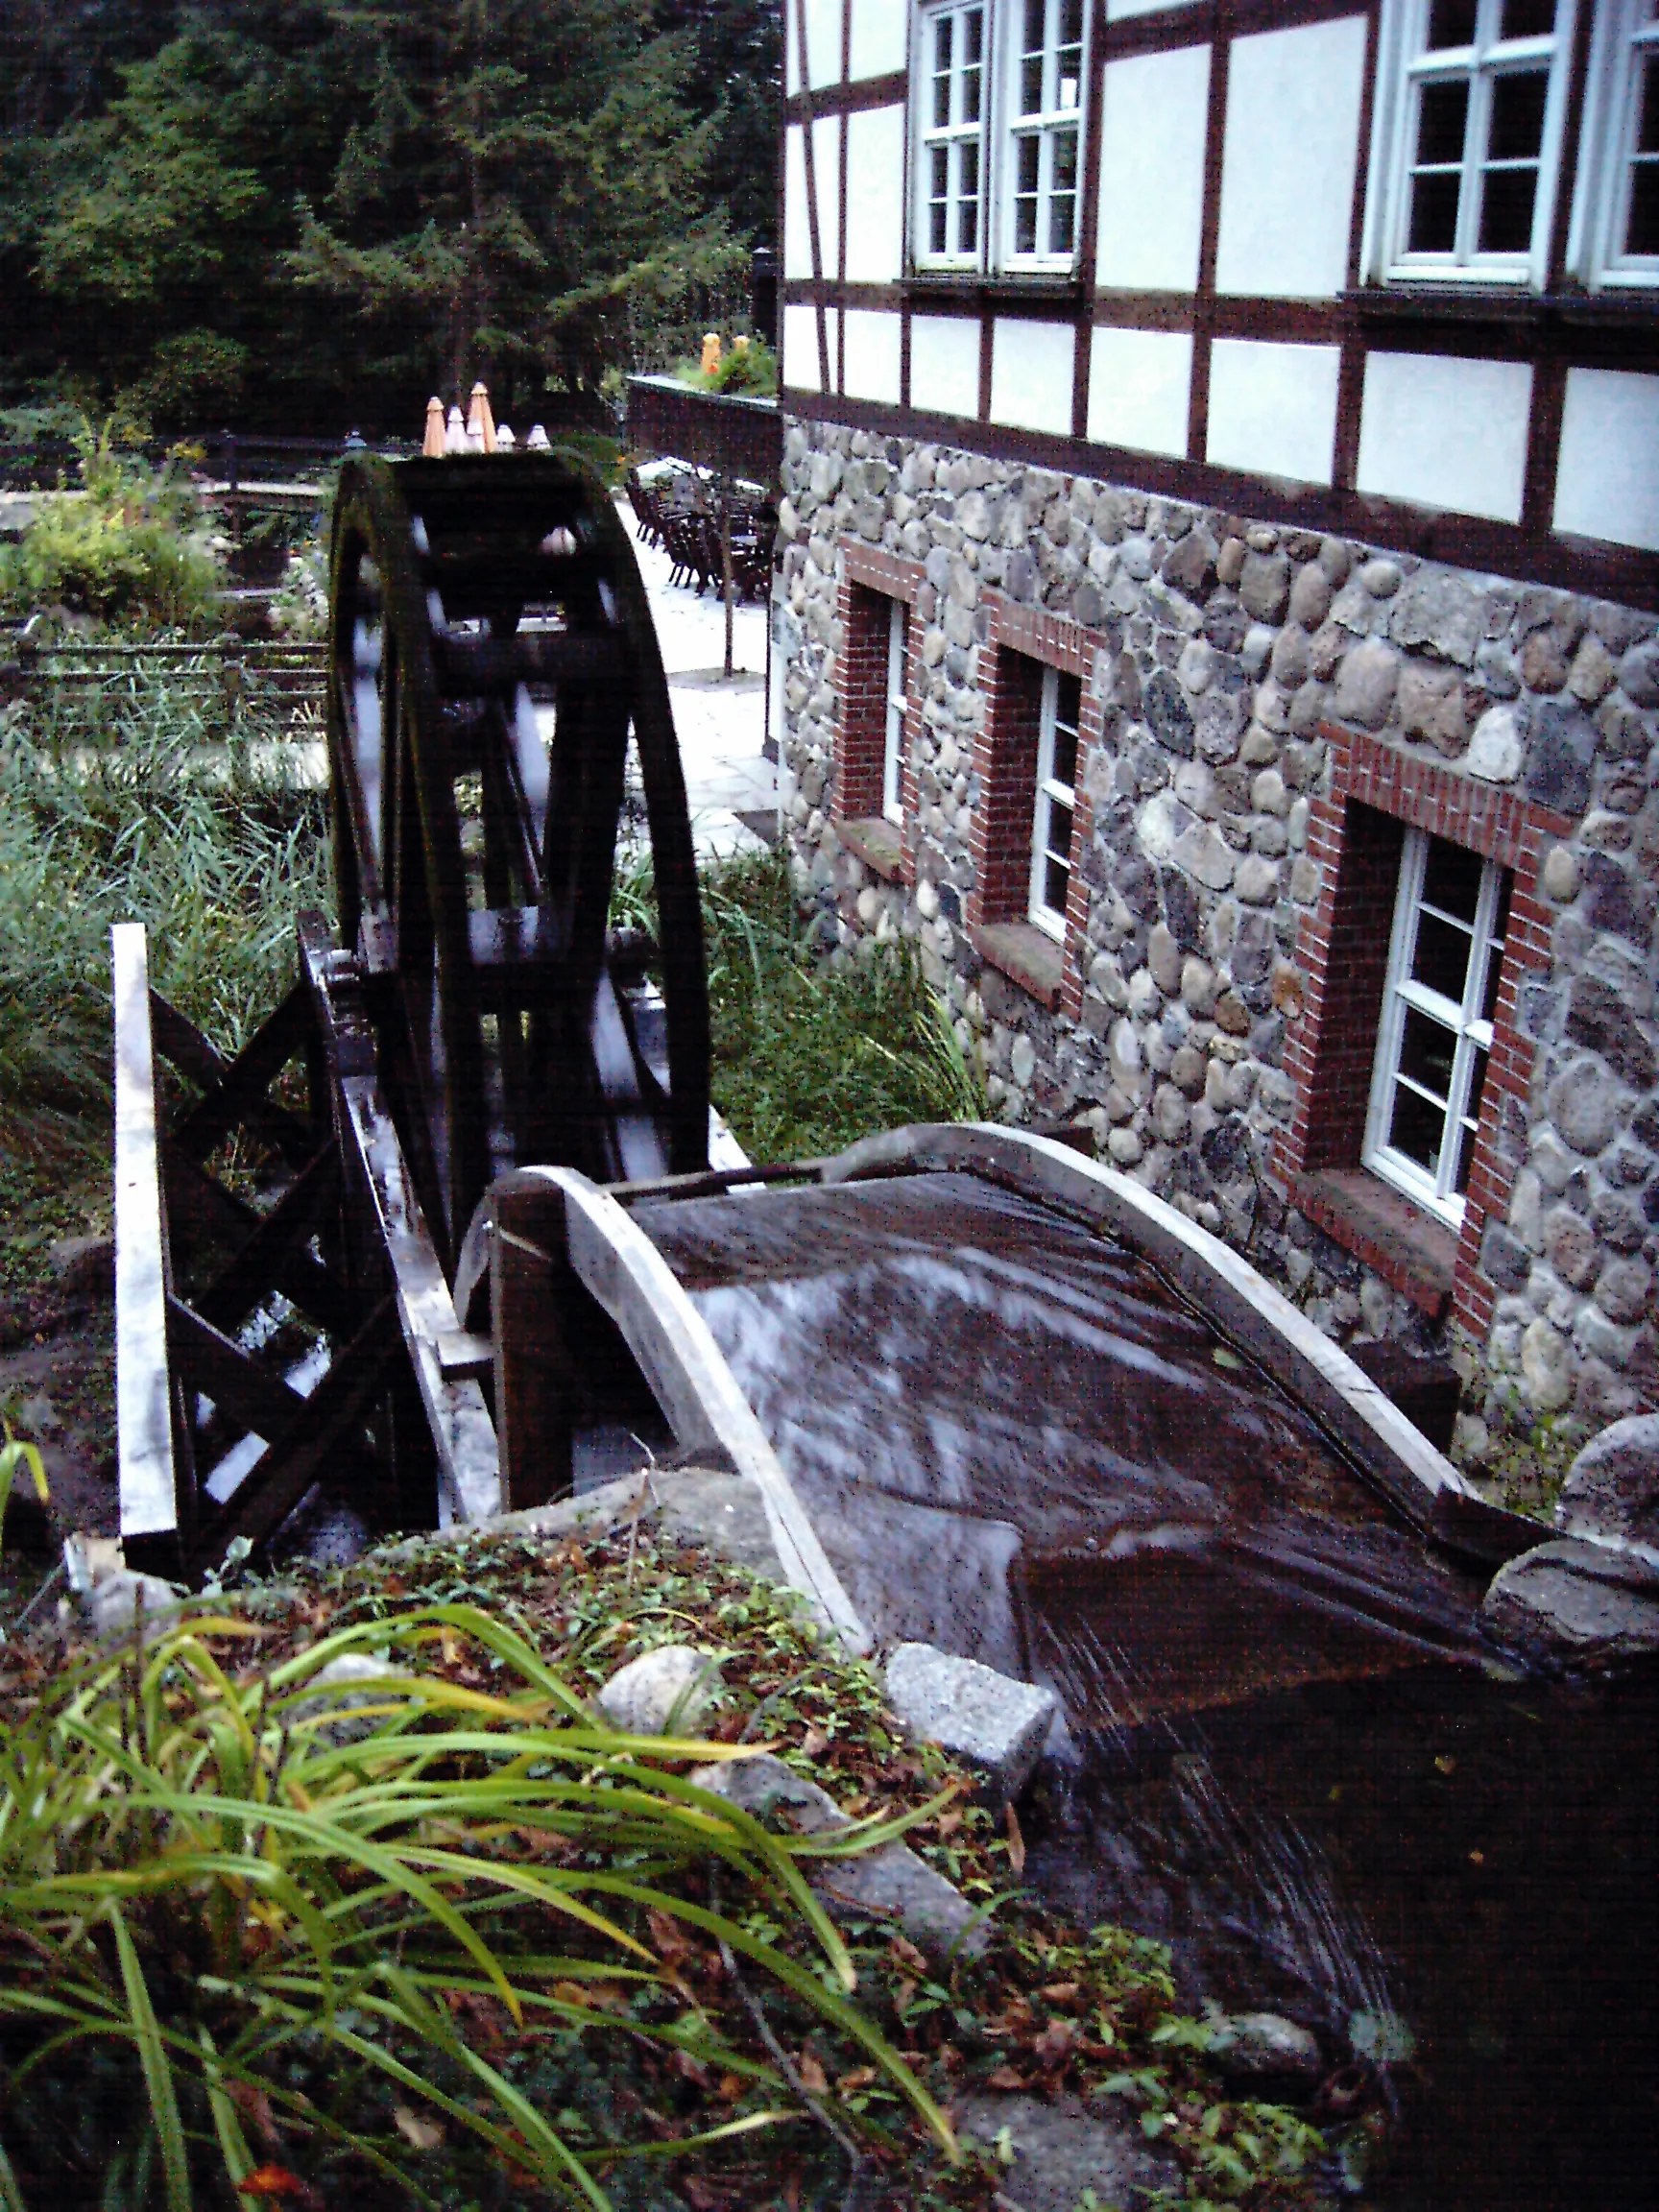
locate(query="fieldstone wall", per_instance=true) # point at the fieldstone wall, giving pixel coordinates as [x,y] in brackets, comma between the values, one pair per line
[1222,646]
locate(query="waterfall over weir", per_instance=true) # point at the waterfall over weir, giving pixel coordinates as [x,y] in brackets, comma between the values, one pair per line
[1015,1441]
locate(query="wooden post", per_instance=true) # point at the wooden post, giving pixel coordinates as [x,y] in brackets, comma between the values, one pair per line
[157,1510]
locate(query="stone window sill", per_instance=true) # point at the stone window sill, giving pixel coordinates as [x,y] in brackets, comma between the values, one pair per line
[1411,1250]
[879,843]
[1023,955]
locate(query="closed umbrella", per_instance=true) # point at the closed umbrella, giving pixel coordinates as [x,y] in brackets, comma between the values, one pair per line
[455,433]
[433,445]
[480,423]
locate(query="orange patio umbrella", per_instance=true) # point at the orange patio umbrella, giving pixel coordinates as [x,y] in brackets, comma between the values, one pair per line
[433,445]
[480,423]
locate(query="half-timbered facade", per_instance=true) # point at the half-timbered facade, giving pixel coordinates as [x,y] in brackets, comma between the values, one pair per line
[1219,607]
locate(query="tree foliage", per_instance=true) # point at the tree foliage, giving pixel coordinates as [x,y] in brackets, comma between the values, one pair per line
[304,210]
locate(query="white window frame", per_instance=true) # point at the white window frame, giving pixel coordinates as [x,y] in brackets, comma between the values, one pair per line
[998,134]
[1404,68]
[1472,1032]
[1045,127]
[1627,36]
[892,741]
[1051,792]
[928,136]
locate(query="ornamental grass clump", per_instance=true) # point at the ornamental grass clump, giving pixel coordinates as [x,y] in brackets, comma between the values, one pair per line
[319,1929]
[173,800]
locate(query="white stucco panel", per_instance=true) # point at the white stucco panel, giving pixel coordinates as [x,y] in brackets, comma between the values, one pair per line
[801,366]
[1118,10]
[827,174]
[877,36]
[1444,432]
[1292,142]
[945,364]
[1031,366]
[873,342]
[823,44]
[1139,382]
[1153,113]
[876,196]
[1273,408]
[1607,485]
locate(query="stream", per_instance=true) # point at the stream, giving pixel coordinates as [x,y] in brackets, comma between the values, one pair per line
[1288,1749]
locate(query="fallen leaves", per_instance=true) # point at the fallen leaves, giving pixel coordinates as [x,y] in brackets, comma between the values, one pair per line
[419,2134]
[1016,1840]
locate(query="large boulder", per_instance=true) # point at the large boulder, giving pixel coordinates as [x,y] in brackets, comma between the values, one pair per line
[663,1692]
[1055,2148]
[987,1720]
[1582,1604]
[1612,1488]
[888,1884]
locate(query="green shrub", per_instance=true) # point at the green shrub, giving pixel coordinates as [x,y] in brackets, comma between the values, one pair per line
[808,1056]
[132,545]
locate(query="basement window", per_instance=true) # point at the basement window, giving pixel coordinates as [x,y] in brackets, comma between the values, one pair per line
[1056,800]
[893,735]
[1451,914]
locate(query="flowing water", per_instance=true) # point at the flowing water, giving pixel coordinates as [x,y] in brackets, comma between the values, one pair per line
[1288,1750]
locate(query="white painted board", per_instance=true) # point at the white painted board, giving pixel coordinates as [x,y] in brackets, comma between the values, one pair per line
[1273,408]
[1152,129]
[876,196]
[1031,374]
[1607,485]
[945,364]
[1445,432]
[1139,383]
[1292,147]
[874,341]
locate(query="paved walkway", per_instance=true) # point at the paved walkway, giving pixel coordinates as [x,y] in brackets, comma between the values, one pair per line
[732,788]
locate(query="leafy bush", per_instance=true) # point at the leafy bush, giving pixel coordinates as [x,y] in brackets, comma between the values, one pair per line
[345,1902]
[745,371]
[138,802]
[130,546]
[808,1057]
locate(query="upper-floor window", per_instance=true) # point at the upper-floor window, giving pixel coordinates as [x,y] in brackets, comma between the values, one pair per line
[1624,241]
[1056,800]
[1045,119]
[1480,103]
[952,134]
[1451,913]
[998,122]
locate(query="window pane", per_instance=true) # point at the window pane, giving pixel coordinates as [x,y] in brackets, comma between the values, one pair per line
[1063,210]
[1031,85]
[1054,881]
[1506,205]
[1451,23]
[1442,118]
[973,37]
[1425,1050]
[970,96]
[1434,215]
[1642,227]
[1441,961]
[1495,960]
[1065,756]
[941,71]
[1059,829]
[1466,1129]
[1416,1128]
[1517,131]
[1648,115]
[1452,879]
[1025,202]
[1528,18]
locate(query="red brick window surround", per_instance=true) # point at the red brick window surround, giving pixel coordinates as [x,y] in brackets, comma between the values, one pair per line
[871,582]
[1020,645]
[1356,835]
